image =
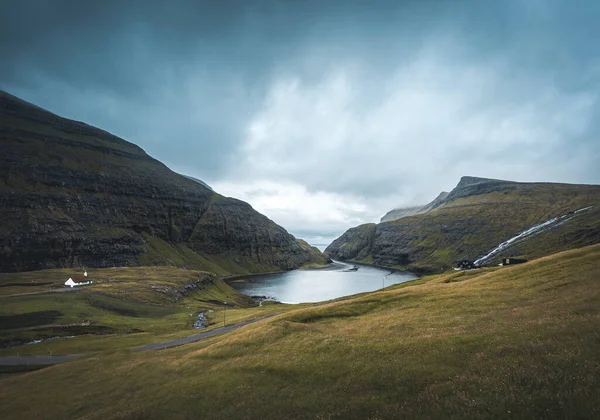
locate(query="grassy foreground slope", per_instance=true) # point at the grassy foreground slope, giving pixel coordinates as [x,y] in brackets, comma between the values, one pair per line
[517,341]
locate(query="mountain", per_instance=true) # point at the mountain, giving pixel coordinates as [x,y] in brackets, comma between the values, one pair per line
[411,211]
[75,195]
[477,216]
[204,184]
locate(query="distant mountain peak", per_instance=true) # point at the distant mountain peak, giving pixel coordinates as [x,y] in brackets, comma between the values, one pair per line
[467,181]
[204,184]
[399,213]
[468,185]
[441,197]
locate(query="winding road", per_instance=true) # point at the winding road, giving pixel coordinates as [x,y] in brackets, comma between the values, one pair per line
[51,360]
[197,337]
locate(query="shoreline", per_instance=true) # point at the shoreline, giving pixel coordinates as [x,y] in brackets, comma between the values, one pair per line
[329,266]
[250,275]
[383,267]
[334,265]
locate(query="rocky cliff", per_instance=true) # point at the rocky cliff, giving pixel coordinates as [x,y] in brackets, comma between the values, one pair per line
[355,244]
[74,195]
[477,215]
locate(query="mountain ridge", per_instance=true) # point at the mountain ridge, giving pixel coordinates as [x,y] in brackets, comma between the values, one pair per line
[75,195]
[477,215]
[466,182]
[411,211]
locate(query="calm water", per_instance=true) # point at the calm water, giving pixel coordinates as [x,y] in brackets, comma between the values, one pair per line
[317,285]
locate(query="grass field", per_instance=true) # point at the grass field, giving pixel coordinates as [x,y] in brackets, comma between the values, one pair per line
[519,341]
[124,307]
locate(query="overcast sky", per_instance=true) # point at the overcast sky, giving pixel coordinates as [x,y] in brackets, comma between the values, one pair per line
[323,114]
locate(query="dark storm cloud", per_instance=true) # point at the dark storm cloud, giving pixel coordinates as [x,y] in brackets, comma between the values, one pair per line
[124,45]
[343,102]
[157,60]
[129,65]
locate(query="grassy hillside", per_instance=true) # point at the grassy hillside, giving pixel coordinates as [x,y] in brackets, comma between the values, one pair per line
[318,259]
[477,217]
[72,195]
[355,244]
[122,308]
[517,341]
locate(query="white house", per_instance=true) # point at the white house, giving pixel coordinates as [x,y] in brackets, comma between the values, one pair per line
[71,283]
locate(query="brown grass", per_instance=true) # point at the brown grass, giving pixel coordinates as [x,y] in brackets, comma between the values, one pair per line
[518,342]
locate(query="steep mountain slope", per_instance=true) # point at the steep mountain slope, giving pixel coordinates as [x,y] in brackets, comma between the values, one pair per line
[204,184]
[75,195]
[411,211]
[474,218]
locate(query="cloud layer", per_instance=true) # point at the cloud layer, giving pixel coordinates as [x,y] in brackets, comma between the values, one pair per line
[323,115]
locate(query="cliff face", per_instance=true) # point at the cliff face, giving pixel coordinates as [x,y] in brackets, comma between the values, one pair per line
[75,195]
[474,218]
[355,244]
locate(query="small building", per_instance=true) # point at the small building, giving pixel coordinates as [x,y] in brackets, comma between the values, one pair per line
[465,265]
[71,283]
[513,261]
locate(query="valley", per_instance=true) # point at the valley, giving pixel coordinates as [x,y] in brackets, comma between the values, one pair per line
[338,280]
[194,303]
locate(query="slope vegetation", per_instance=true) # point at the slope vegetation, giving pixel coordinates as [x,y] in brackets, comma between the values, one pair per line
[474,218]
[122,308]
[492,343]
[74,195]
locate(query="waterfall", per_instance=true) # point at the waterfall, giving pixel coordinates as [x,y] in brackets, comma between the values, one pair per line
[534,230]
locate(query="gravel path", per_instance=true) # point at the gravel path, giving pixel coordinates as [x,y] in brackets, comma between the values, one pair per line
[50,360]
[197,337]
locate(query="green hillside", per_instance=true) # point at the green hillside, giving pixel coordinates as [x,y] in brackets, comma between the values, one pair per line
[474,218]
[123,307]
[72,195]
[493,343]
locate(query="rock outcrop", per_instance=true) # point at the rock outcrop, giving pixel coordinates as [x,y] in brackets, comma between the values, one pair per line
[74,195]
[476,216]
[355,244]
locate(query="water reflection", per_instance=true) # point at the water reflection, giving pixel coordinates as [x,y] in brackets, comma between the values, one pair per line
[300,286]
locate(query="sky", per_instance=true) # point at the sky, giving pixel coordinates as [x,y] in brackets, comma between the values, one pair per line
[323,115]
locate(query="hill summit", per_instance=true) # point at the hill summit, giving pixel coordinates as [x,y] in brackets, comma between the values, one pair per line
[466,184]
